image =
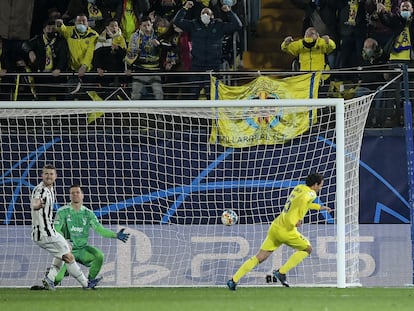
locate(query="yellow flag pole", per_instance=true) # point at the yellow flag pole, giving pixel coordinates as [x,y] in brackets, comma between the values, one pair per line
[16,89]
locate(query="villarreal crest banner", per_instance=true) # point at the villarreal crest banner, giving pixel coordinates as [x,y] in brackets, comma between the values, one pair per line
[245,127]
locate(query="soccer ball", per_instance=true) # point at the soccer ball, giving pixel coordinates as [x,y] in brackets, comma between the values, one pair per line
[229,217]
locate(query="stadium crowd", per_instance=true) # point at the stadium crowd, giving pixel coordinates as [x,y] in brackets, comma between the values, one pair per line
[151,37]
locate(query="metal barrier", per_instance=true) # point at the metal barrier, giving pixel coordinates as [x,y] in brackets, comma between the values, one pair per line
[386,110]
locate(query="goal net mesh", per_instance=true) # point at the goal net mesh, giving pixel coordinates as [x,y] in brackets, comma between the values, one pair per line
[159,173]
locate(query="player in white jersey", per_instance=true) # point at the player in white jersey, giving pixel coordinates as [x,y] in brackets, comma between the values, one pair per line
[43,233]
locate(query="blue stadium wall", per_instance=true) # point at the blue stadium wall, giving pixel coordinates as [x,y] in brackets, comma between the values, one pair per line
[383,179]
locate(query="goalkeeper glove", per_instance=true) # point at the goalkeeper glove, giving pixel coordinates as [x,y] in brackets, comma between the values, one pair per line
[122,236]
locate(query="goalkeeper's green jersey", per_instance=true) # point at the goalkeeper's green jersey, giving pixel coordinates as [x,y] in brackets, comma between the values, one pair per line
[74,225]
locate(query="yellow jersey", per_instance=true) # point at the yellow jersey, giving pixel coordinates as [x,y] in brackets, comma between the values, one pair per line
[81,46]
[300,201]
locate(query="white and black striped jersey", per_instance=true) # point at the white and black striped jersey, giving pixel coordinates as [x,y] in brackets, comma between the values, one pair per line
[42,219]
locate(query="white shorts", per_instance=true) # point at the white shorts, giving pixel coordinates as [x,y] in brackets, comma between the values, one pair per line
[56,245]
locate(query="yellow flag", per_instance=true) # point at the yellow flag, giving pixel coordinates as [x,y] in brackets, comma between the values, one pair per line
[244,127]
[97,114]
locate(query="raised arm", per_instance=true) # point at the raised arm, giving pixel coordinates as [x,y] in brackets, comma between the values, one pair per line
[179,19]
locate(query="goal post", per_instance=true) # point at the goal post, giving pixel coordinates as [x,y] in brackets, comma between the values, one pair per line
[153,168]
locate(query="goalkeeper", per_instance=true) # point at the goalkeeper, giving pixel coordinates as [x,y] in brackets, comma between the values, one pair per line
[283,230]
[73,221]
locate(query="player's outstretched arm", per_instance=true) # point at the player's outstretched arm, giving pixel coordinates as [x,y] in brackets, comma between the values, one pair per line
[123,236]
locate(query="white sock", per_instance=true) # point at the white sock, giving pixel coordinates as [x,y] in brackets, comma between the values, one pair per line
[54,268]
[75,271]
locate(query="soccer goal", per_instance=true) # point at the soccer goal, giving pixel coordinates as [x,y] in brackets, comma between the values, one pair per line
[165,170]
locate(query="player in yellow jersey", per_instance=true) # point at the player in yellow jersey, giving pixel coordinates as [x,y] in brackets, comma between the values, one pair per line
[283,230]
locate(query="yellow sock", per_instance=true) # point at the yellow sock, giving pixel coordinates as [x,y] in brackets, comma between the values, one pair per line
[245,268]
[293,261]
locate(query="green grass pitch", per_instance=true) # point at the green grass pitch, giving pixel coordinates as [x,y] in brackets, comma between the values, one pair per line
[211,299]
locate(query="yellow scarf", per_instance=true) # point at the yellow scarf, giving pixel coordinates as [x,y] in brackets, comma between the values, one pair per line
[353,10]
[388,5]
[49,53]
[129,22]
[402,46]
[94,12]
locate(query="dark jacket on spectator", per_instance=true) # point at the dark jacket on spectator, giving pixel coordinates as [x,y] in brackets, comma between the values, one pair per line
[396,23]
[207,40]
[60,53]
[108,59]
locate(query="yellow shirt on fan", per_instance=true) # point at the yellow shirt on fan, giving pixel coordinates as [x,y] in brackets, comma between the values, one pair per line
[300,201]
[81,46]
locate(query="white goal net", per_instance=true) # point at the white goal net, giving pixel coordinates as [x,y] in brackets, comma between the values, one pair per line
[155,169]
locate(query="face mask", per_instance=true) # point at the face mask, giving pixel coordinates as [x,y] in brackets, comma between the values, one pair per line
[369,53]
[309,42]
[205,18]
[81,28]
[228,2]
[405,14]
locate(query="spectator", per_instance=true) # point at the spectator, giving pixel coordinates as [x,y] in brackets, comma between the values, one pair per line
[352,32]
[176,57]
[233,47]
[207,35]
[322,15]
[111,32]
[81,41]
[143,55]
[311,50]
[400,45]
[47,53]
[376,29]
[373,54]
[374,58]
[109,54]
[160,24]
[14,61]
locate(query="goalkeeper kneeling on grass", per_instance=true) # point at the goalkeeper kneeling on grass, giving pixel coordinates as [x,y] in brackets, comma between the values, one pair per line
[73,221]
